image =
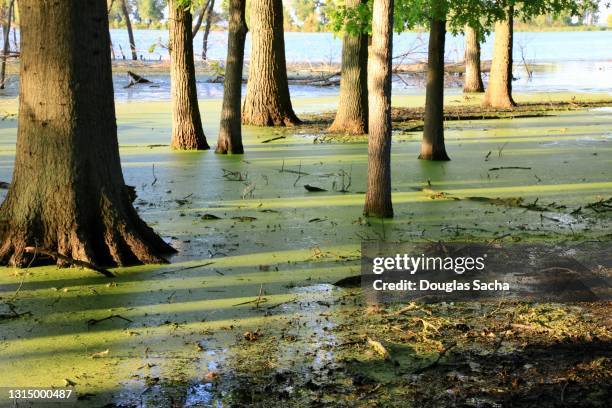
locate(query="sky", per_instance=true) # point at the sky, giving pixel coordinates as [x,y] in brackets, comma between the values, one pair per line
[605,8]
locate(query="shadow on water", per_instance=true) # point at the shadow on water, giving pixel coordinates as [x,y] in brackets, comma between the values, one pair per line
[184,340]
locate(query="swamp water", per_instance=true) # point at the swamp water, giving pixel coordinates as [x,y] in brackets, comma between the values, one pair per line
[251,283]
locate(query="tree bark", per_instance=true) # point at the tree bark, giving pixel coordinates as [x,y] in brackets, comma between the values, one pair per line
[352,114]
[68,194]
[378,195]
[473,76]
[199,19]
[209,14]
[128,25]
[499,90]
[6,46]
[187,131]
[432,145]
[267,101]
[230,132]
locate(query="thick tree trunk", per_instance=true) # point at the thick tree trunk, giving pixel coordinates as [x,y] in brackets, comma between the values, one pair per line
[230,132]
[209,14]
[187,132]
[6,46]
[128,25]
[68,194]
[473,76]
[267,101]
[378,195]
[499,90]
[432,145]
[352,114]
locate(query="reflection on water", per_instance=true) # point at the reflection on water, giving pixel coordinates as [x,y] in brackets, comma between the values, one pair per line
[571,76]
[202,394]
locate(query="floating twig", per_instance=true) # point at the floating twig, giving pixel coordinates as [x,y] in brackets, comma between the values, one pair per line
[509,168]
[92,322]
[273,139]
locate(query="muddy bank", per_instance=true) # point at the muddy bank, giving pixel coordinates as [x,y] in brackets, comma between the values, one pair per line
[465,108]
[414,355]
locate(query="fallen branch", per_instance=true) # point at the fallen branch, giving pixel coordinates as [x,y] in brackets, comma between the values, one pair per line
[314,189]
[259,297]
[92,322]
[14,314]
[136,79]
[68,260]
[273,139]
[186,268]
[509,168]
[281,304]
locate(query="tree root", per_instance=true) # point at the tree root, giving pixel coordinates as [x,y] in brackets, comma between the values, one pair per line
[59,257]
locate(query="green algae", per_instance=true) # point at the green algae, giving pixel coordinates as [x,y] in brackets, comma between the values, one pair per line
[187,320]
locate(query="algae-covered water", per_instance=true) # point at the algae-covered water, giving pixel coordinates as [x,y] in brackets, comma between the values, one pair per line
[257,252]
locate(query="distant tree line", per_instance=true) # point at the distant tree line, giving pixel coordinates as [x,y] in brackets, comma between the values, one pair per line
[310,15]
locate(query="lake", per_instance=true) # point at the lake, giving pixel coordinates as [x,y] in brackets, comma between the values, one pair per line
[326,47]
[567,61]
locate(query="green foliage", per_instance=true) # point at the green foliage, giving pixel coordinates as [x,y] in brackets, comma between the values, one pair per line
[308,15]
[151,11]
[480,14]
[190,4]
[609,21]
[351,20]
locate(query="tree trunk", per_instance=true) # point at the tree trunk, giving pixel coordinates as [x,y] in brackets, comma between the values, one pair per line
[499,90]
[209,14]
[378,195]
[6,46]
[187,132]
[267,101]
[230,132]
[352,114]
[432,145]
[198,23]
[128,25]
[68,194]
[473,77]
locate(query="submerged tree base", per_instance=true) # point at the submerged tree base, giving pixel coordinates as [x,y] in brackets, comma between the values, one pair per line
[471,88]
[257,117]
[112,238]
[356,127]
[434,156]
[224,146]
[498,101]
[433,152]
[190,142]
[378,212]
